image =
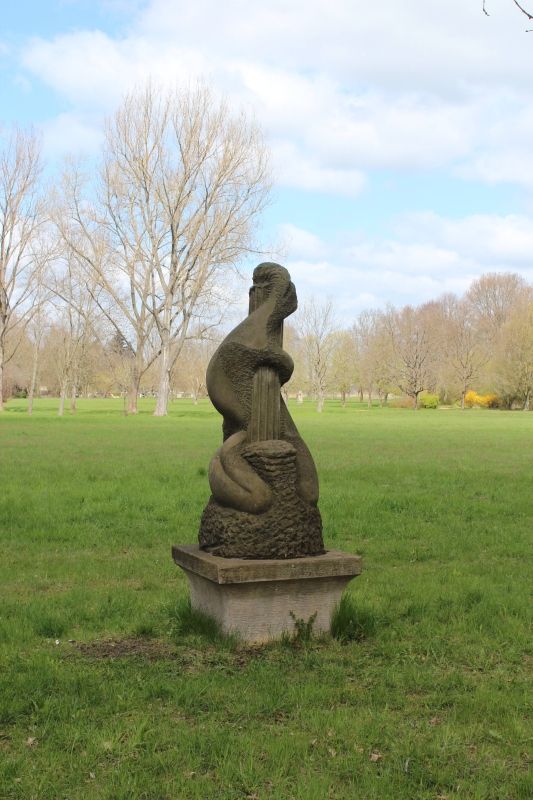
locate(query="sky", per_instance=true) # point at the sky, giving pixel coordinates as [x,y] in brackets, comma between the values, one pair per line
[401,132]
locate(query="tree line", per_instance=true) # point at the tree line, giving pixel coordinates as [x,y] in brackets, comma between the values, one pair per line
[450,347]
[116,276]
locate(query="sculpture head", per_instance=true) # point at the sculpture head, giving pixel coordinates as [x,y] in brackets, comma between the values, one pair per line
[273,282]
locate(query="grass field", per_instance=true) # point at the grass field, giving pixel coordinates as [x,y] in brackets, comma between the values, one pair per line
[104,695]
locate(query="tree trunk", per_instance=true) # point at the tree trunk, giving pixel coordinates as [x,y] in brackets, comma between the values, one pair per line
[195,392]
[369,401]
[463,394]
[161,406]
[133,394]
[33,381]
[133,389]
[361,396]
[343,398]
[73,398]
[415,402]
[527,402]
[2,358]
[62,396]
[163,390]
[320,403]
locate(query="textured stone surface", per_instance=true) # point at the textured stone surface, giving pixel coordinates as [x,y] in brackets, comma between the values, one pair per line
[260,600]
[288,528]
[263,479]
[332,563]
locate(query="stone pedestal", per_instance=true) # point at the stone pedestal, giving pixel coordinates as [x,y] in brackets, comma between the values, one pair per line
[254,598]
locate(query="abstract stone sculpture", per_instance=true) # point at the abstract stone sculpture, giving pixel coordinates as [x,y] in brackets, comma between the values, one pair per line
[263,479]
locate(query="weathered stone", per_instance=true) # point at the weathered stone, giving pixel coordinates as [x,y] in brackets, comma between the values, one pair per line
[287,528]
[263,479]
[260,600]
[261,569]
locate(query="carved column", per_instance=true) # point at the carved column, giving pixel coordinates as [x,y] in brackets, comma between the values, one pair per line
[265,411]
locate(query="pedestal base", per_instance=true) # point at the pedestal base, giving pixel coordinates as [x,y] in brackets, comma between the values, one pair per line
[254,598]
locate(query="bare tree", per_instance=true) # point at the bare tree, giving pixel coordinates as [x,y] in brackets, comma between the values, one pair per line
[375,357]
[36,330]
[117,272]
[292,343]
[316,328]
[493,297]
[465,348]
[182,184]
[344,363]
[364,330]
[514,356]
[383,356]
[189,374]
[20,219]
[413,346]
[76,311]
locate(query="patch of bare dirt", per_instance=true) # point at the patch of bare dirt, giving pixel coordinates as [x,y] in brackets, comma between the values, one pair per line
[148,649]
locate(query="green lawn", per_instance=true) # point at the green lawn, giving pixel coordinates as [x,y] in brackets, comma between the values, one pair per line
[101,696]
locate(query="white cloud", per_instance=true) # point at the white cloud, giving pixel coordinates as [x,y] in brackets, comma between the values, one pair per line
[492,241]
[503,165]
[299,243]
[396,45]
[429,256]
[93,70]
[294,167]
[342,87]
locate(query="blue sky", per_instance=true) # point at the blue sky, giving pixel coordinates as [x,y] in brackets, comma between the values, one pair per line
[401,133]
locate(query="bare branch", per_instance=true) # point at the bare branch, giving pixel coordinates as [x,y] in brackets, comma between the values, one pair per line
[523,10]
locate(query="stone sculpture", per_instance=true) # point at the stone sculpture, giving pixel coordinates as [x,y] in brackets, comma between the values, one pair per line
[263,479]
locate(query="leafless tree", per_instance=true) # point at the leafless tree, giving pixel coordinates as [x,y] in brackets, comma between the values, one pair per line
[189,374]
[76,312]
[36,331]
[464,347]
[292,343]
[21,216]
[344,363]
[514,356]
[363,330]
[493,297]
[181,185]
[118,275]
[375,357]
[316,327]
[413,346]
[384,361]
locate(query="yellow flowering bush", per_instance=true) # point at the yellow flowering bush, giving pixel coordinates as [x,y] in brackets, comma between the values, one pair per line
[472,399]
